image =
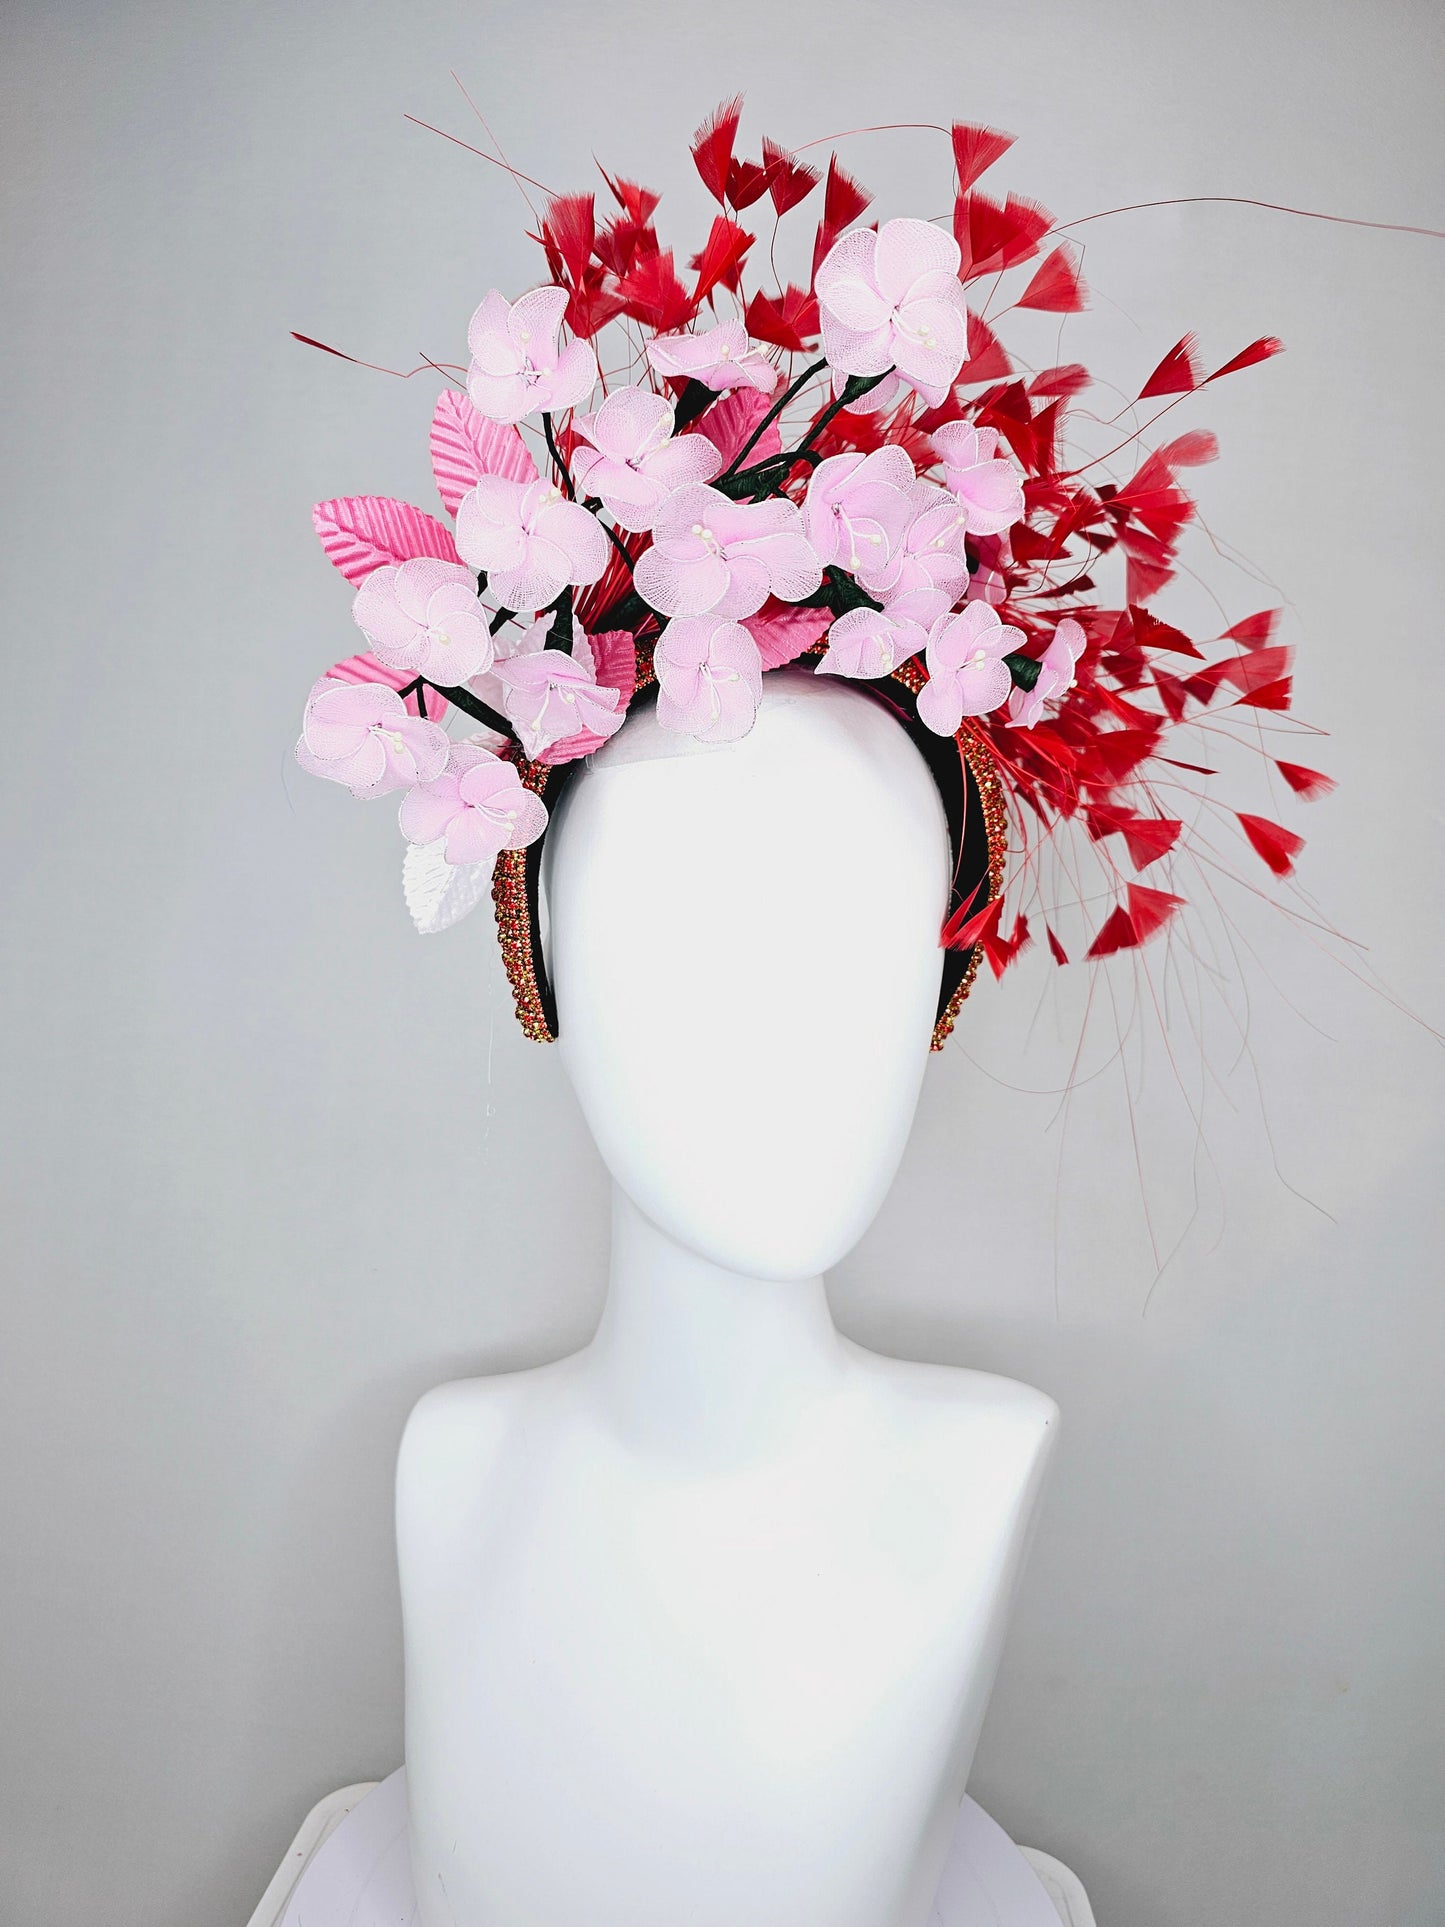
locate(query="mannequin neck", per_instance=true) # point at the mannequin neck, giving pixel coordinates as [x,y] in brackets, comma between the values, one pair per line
[702,1362]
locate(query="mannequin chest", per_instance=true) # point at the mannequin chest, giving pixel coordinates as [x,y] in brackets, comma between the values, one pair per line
[723,1669]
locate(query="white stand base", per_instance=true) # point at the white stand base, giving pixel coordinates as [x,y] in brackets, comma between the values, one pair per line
[349,1867]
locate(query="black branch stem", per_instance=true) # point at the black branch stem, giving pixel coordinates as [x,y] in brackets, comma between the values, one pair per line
[772,415]
[552,449]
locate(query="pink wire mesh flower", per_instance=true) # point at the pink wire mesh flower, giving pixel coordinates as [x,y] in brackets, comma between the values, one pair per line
[478,804]
[531,541]
[710,678]
[712,556]
[893,300]
[1056,675]
[634,462]
[425,616]
[548,696]
[931,554]
[873,642]
[858,509]
[967,674]
[517,367]
[363,735]
[720,357]
[988,486]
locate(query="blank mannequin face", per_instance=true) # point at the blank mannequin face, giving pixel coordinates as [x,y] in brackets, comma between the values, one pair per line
[744,945]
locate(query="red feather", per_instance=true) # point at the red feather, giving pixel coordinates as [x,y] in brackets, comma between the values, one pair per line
[987,360]
[568,229]
[1070,380]
[1260,350]
[1115,933]
[991,237]
[1150,910]
[747,182]
[975,149]
[843,199]
[653,293]
[790,323]
[639,204]
[1255,630]
[962,931]
[790,180]
[1056,949]
[1177,374]
[1278,847]
[1151,633]
[1189,451]
[1311,784]
[1270,695]
[712,146]
[721,259]
[1057,286]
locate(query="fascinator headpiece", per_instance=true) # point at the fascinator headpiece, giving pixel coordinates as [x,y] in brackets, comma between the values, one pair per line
[851,473]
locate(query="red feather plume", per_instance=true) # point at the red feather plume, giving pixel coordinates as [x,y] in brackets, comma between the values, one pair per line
[1277,846]
[1057,286]
[712,146]
[975,149]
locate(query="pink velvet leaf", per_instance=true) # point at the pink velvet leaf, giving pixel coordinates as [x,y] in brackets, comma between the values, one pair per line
[729,423]
[362,533]
[614,655]
[366,668]
[783,631]
[466,445]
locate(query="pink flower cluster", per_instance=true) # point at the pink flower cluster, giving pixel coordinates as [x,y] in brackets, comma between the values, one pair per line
[890,307]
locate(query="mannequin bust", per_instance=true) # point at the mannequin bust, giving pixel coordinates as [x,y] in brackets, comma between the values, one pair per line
[701,1622]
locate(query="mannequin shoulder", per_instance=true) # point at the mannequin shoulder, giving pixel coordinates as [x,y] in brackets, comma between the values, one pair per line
[461,1430]
[939,1404]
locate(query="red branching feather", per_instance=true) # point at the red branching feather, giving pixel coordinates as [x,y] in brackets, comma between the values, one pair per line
[790,323]
[1189,451]
[1247,673]
[652,293]
[639,204]
[1057,286]
[1067,381]
[1151,633]
[748,181]
[1056,949]
[844,201]
[1260,350]
[1146,837]
[1179,373]
[1270,695]
[721,259]
[569,228]
[1254,631]
[986,358]
[1115,933]
[991,237]
[790,180]
[1276,845]
[966,926]
[1311,784]
[1124,929]
[712,146]
[1150,910]
[975,149]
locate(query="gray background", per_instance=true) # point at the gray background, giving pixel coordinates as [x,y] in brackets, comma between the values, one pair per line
[273,1167]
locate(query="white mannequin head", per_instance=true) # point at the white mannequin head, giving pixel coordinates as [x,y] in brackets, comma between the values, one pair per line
[744,947]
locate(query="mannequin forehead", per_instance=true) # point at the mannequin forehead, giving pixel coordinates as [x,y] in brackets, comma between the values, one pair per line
[744,945]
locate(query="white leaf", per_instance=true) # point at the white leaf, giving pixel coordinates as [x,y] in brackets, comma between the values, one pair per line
[439,894]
